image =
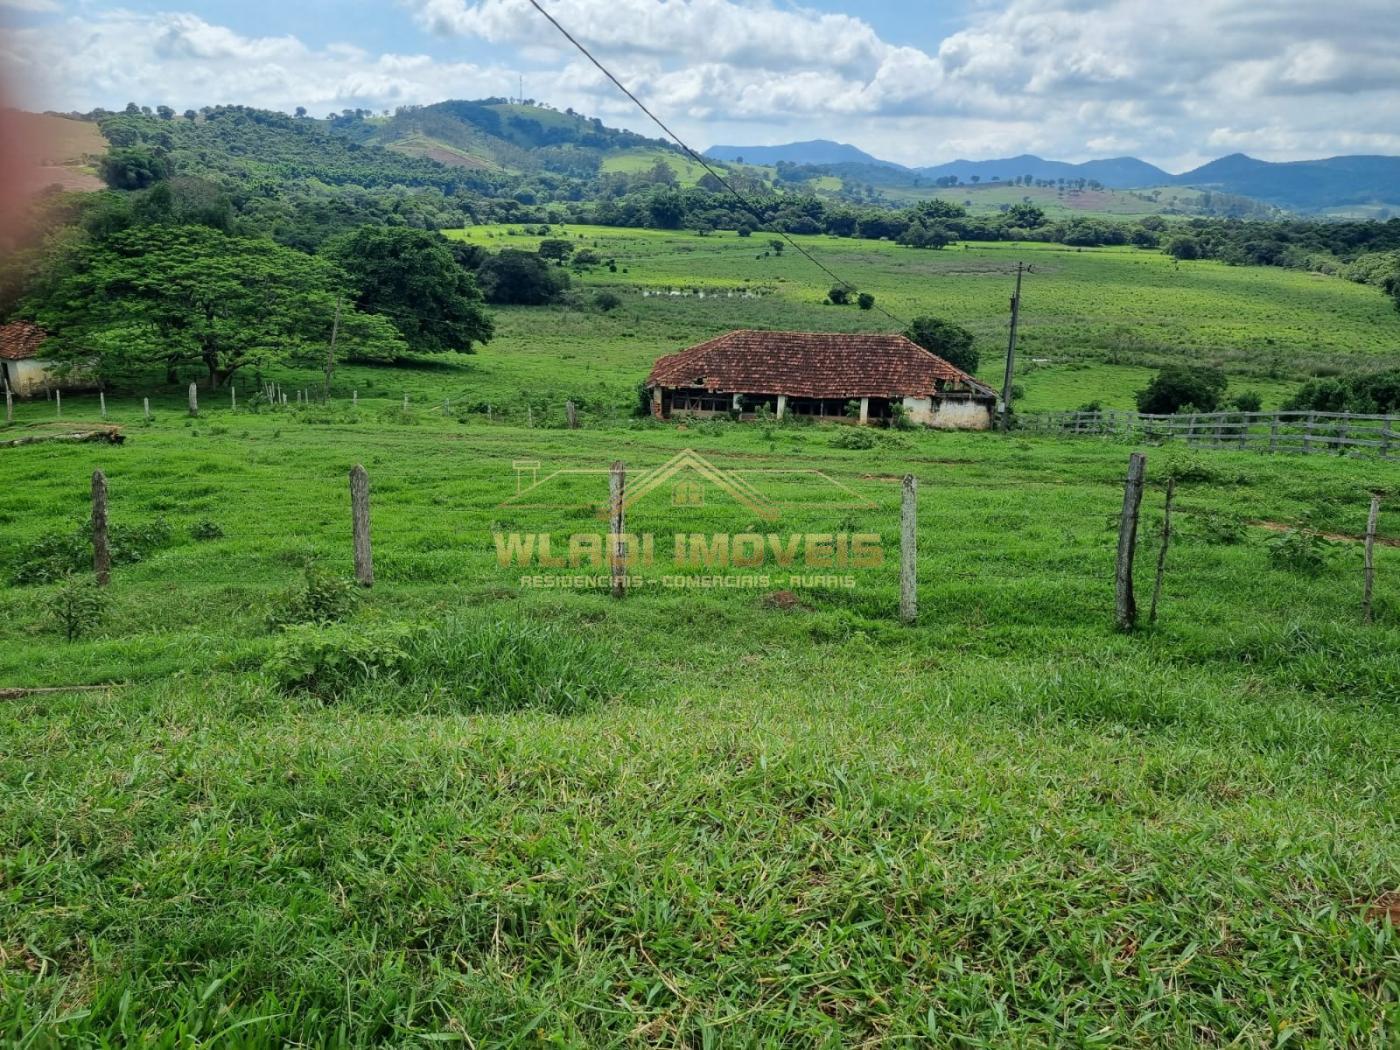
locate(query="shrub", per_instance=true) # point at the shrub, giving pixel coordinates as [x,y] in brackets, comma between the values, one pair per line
[1217,528]
[77,606]
[329,661]
[947,340]
[839,296]
[1183,386]
[322,598]
[607,301]
[206,530]
[1247,401]
[1301,551]
[854,438]
[53,557]
[458,665]
[865,301]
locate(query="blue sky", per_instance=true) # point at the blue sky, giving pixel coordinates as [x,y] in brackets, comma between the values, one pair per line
[917,82]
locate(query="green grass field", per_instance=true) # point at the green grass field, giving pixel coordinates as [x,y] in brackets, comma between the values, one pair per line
[1095,321]
[478,812]
[798,823]
[993,198]
[639,160]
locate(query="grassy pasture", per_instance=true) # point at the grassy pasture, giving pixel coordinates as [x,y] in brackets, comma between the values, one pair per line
[805,825]
[638,160]
[1099,319]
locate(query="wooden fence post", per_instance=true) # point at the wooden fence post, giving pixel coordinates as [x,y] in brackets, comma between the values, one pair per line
[146,408]
[405,402]
[571,411]
[1273,433]
[194,400]
[359,518]
[530,416]
[1162,554]
[1125,609]
[909,551]
[354,399]
[9,405]
[58,403]
[1387,431]
[101,555]
[1366,611]
[1191,432]
[1307,432]
[102,403]
[617,546]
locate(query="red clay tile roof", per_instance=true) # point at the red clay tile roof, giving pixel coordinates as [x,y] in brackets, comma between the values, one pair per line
[810,364]
[19,340]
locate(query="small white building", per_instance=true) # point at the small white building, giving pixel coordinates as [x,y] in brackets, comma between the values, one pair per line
[21,367]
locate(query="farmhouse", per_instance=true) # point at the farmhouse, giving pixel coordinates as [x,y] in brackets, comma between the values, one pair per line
[21,367]
[826,376]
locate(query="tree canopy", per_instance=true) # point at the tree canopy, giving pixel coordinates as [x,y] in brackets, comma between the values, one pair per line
[414,278]
[947,340]
[182,296]
[521,278]
[1178,387]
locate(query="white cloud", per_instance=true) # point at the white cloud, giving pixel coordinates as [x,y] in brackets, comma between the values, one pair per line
[1175,83]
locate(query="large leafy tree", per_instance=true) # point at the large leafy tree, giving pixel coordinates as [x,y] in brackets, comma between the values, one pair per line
[182,296]
[414,278]
[947,340]
[521,278]
[1177,387]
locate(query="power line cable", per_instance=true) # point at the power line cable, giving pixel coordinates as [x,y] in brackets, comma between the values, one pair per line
[743,201]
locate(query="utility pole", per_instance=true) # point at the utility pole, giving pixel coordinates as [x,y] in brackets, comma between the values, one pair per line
[1011,353]
[330,353]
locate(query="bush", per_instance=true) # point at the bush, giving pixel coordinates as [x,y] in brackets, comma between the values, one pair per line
[54,557]
[1181,386]
[1301,551]
[77,606]
[1247,401]
[607,301]
[839,296]
[865,301]
[206,530]
[947,340]
[322,598]
[1216,528]
[458,665]
[854,438]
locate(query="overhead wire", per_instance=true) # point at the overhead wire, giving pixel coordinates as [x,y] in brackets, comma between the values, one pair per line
[743,201]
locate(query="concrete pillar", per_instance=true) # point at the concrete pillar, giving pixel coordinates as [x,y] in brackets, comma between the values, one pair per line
[864,411]
[782,405]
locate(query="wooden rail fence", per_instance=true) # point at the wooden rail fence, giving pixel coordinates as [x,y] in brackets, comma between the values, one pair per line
[1338,433]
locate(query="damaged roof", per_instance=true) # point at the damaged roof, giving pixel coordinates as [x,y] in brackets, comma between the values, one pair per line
[20,340]
[811,364]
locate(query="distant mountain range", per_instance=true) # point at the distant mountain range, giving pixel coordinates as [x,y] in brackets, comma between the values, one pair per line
[1303,186]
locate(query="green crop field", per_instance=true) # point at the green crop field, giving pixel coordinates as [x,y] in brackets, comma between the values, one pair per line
[744,805]
[993,198]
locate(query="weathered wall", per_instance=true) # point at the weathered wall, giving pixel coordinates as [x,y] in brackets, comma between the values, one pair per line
[920,410]
[28,377]
[962,415]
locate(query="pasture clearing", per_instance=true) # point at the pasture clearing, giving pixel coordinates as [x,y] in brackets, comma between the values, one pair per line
[799,823]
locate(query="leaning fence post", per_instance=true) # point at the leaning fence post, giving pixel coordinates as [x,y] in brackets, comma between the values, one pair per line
[909,550]
[571,411]
[101,555]
[1126,604]
[194,400]
[617,546]
[1366,611]
[1162,554]
[359,517]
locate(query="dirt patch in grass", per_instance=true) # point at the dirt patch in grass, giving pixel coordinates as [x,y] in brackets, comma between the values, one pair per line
[1388,907]
[783,601]
[1336,537]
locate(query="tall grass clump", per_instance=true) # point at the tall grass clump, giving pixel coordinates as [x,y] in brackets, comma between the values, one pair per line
[458,665]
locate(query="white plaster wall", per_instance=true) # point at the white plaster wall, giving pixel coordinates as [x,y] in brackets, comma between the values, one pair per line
[920,410]
[961,415]
[27,377]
